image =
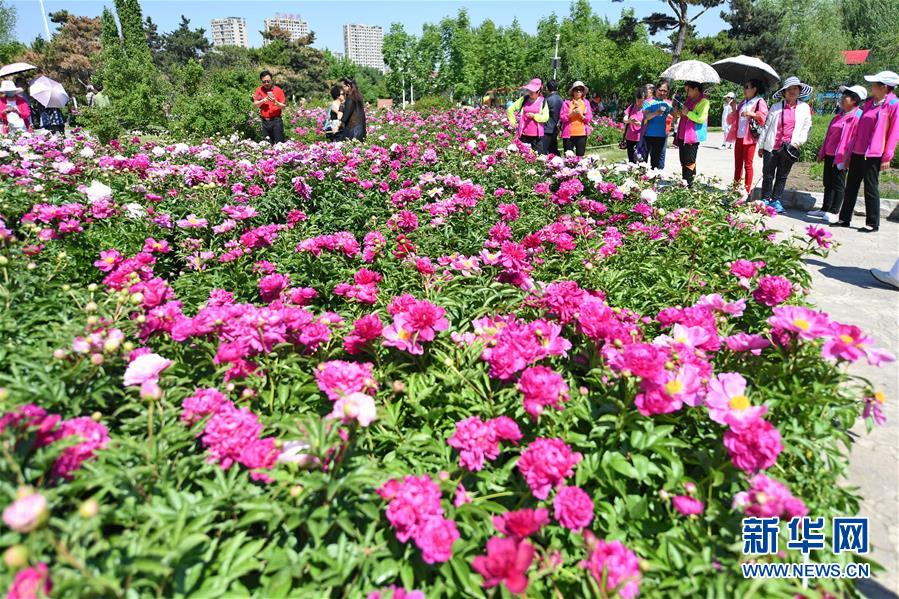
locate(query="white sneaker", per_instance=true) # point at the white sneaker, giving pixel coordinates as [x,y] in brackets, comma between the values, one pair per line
[817,213]
[831,218]
[885,277]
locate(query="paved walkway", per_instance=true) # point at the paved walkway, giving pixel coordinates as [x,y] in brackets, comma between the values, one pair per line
[843,287]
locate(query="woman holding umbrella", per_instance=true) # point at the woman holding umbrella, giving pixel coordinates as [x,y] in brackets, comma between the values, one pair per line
[786,129]
[692,128]
[746,123]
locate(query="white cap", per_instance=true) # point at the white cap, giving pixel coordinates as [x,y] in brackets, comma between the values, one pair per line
[858,90]
[885,77]
[729,95]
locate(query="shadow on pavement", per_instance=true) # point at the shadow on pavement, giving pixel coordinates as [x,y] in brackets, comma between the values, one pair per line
[852,275]
[874,590]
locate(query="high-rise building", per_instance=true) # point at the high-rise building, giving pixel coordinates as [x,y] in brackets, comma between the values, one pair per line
[363,45]
[230,31]
[292,24]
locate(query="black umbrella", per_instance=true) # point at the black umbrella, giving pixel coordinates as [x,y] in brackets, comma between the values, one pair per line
[739,69]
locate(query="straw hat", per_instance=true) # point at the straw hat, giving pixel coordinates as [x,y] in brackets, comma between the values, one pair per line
[9,86]
[804,88]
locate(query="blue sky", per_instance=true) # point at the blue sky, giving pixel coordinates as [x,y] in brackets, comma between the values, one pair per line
[326,17]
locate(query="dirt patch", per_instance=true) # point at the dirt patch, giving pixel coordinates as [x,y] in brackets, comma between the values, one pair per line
[804,177]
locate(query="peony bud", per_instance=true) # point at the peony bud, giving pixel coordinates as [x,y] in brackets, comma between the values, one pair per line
[92,287]
[296,490]
[4,260]
[96,359]
[137,299]
[398,386]
[59,354]
[90,307]
[89,508]
[690,488]
[96,416]
[4,394]
[150,391]
[92,320]
[16,557]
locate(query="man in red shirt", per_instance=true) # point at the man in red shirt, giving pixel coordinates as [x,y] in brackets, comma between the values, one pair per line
[270,99]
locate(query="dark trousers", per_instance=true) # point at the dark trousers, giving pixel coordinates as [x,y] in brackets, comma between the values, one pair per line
[550,143]
[61,129]
[531,140]
[867,170]
[357,132]
[656,147]
[776,167]
[631,150]
[273,129]
[687,154]
[834,186]
[576,143]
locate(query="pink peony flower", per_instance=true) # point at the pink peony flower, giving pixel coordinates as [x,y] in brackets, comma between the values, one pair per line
[394,592]
[802,322]
[767,498]
[357,407]
[612,562]
[478,441]
[26,513]
[521,523]
[435,539]
[573,508]
[545,464]
[745,342]
[413,501]
[542,387]
[507,562]
[753,445]
[337,378]
[773,290]
[271,286]
[727,401]
[688,506]
[31,583]
[146,367]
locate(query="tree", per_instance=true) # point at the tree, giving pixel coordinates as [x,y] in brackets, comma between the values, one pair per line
[8,16]
[70,56]
[184,44]
[303,70]
[154,39]
[868,21]
[758,29]
[678,21]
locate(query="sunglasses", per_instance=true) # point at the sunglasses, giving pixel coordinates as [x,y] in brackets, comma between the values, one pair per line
[748,86]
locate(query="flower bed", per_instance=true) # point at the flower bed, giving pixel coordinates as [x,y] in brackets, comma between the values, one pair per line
[436,365]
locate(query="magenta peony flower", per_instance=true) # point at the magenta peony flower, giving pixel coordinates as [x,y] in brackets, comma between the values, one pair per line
[507,562]
[91,436]
[413,501]
[31,583]
[271,286]
[435,539]
[768,498]
[542,387]
[26,513]
[522,523]
[478,441]
[573,508]
[617,565]
[753,445]
[394,592]
[773,290]
[337,378]
[366,329]
[545,464]
[688,506]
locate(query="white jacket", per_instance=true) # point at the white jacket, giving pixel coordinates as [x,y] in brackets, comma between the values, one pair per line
[772,125]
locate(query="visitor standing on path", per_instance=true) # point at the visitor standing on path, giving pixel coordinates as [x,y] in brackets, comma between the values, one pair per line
[873,145]
[692,128]
[15,114]
[726,111]
[746,124]
[576,117]
[353,119]
[554,102]
[657,112]
[633,125]
[834,151]
[270,99]
[786,129]
[335,112]
[532,112]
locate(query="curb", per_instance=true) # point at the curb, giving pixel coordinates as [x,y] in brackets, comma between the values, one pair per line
[807,200]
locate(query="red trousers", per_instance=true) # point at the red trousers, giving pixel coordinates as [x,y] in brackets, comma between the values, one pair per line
[744,154]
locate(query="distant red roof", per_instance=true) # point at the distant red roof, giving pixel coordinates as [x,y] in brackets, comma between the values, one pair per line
[855,56]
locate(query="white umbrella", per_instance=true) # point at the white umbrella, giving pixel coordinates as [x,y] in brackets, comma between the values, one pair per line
[739,69]
[49,93]
[16,67]
[692,70]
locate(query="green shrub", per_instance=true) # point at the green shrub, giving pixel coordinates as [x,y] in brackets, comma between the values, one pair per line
[433,103]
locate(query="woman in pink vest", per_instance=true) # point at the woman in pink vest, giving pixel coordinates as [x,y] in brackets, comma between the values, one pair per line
[531,112]
[834,151]
[872,148]
[743,135]
[633,125]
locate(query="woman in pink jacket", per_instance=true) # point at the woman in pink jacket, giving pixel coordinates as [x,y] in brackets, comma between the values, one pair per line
[633,125]
[575,118]
[13,103]
[834,151]
[872,148]
[742,135]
